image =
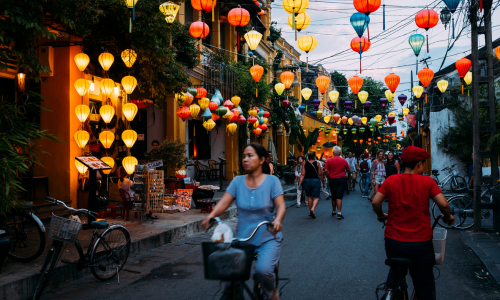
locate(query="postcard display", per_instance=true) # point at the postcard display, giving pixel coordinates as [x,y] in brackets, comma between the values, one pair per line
[155,191]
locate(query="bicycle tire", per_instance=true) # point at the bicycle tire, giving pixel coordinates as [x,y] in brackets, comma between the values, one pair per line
[52,259]
[436,212]
[457,183]
[110,252]
[27,237]
[462,209]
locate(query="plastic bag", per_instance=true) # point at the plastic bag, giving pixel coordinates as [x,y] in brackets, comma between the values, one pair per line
[222,234]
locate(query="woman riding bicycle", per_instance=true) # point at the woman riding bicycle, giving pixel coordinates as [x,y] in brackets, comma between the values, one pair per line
[408,233]
[257,195]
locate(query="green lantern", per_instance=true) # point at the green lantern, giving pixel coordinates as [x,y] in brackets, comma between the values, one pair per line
[222,110]
[318,148]
[372,128]
[322,127]
[353,130]
[311,131]
[329,129]
[373,121]
[400,116]
[380,125]
[337,130]
[362,129]
[345,131]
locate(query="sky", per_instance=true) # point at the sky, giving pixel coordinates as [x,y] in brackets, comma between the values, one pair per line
[390,50]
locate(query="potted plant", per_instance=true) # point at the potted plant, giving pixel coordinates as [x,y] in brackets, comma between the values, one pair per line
[173,155]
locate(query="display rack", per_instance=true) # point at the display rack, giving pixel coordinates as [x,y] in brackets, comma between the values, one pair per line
[155,191]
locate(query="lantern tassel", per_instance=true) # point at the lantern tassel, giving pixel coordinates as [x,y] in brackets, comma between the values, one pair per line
[307,64]
[425,98]
[443,99]
[170,39]
[130,25]
[452,28]
[427,41]
[213,10]
[199,51]
[133,9]
[462,89]
[383,12]
[481,6]
[238,32]
[392,103]
[194,129]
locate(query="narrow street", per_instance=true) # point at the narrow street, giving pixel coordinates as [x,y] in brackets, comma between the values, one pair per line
[324,258]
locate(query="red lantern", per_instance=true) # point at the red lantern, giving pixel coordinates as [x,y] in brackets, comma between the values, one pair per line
[322,83]
[257,131]
[426,19]
[234,118]
[228,104]
[336,118]
[212,106]
[199,30]
[360,44]
[263,127]
[189,99]
[392,80]
[425,75]
[201,92]
[366,6]
[285,103]
[252,120]
[215,117]
[256,71]
[287,79]
[463,65]
[238,17]
[318,140]
[391,119]
[241,120]
[203,5]
[236,111]
[184,113]
[355,83]
[344,119]
[260,13]
[266,114]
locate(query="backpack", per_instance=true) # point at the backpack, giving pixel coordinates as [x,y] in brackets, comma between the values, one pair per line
[363,166]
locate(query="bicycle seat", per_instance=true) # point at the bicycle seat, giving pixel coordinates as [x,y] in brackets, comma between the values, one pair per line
[435,172]
[99,225]
[397,262]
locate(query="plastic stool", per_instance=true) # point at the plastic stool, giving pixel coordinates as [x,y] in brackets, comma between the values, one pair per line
[110,211]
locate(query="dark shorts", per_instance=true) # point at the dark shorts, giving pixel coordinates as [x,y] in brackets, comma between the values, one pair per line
[312,187]
[337,187]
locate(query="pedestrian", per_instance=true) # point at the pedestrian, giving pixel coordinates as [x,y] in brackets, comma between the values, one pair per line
[311,180]
[298,171]
[408,232]
[352,176]
[336,168]
[269,161]
[257,197]
[378,171]
[392,166]
[364,168]
[325,188]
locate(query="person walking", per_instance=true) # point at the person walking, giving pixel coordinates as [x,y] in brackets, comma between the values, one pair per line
[364,168]
[392,166]
[408,232]
[298,172]
[352,176]
[336,168]
[378,171]
[311,180]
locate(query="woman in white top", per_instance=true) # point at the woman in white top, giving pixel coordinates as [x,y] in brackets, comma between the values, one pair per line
[125,183]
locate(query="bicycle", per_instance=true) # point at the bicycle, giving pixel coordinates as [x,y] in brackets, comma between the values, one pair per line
[235,272]
[362,185]
[106,255]
[457,184]
[25,231]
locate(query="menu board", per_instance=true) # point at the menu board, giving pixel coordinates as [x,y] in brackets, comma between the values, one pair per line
[93,162]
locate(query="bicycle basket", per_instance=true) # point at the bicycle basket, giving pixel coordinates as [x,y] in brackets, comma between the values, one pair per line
[439,243]
[222,262]
[456,172]
[64,230]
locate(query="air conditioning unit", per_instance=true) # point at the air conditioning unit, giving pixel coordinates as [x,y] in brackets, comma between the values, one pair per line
[46,56]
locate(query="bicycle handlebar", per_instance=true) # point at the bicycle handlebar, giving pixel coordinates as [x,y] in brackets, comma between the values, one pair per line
[217,220]
[59,202]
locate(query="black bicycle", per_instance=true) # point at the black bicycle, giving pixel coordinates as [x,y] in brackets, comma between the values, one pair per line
[362,184]
[107,253]
[25,231]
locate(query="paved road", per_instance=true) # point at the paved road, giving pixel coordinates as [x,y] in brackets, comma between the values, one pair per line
[325,258]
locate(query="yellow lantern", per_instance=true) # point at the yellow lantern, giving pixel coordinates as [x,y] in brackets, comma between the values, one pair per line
[107,113]
[170,10]
[442,86]
[253,39]
[378,118]
[319,114]
[265,120]
[279,87]
[129,111]
[82,112]
[81,138]
[350,121]
[209,124]
[302,21]
[389,95]
[21,81]
[392,114]
[107,138]
[418,90]
[364,120]
[306,93]
[129,83]
[106,59]
[406,111]
[363,96]
[203,102]
[129,137]
[129,56]
[129,164]
[334,95]
[306,43]
[252,112]
[82,169]
[107,87]
[195,110]
[295,6]
[130,4]
[82,61]
[231,128]
[236,100]
[327,119]
[82,86]
[468,78]
[110,162]
[256,124]
[228,114]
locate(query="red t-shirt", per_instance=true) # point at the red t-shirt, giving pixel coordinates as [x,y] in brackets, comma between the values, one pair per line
[409,216]
[336,167]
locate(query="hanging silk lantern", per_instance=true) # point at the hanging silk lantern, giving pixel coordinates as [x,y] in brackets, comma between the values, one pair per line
[82,86]
[252,112]
[266,114]
[348,104]
[106,59]
[353,131]
[391,119]
[129,164]
[294,8]
[360,45]
[363,96]
[378,118]
[367,104]
[184,113]
[107,113]
[287,78]
[425,75]
[327,119]
[81,138]
[279,87]
[257,131]
[205,6]
[330,105]
[383,102]
[285,104]
[390,96]
[107,87]
[401,116]
[355,83]
[212,106]
[362,130]
[241,120]
[359,22]
[463,66]
[221,111]
[209,124]
[316,103]
[82,112]
[468,78]
[256,71]
[302,109]
[307,43]
[206,115]
[427,19]
[82,61]
[306,93]
[236,101]
[110,162]
[417,90]
[344,131]
[364,120]
[252,119]
[336,118]
[238,18]
[107,138]
[201,92]
[416,42]
[392,81]
[189,99]
[228,104]
[129,111]
[199,30]
[82,169]
[373,122]
[129,57]
[129,137]
[302,21]
[442,86]
[334,95]
[322,83]
[337,130]
[344,119]
[129,83]
[319,114]
[231,127]
[406,111]
[195,110]
[253,39]
[263,127]
[350,121]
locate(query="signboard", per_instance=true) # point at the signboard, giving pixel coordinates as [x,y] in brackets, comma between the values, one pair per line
[93,162]
[154,164]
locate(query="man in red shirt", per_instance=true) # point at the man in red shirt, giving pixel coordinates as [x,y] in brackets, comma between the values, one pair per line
[408,233]
[335,169]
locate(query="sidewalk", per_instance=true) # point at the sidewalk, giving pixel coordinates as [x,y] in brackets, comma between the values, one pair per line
[486,246]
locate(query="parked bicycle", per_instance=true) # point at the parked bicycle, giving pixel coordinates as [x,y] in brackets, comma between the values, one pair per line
[457,183]
[25,231]
[107,252]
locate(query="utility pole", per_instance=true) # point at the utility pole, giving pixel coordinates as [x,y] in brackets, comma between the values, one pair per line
[484,27]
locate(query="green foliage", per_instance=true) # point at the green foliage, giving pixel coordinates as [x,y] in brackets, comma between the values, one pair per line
[341,84]
[172,153]
[274,33]
[302,141]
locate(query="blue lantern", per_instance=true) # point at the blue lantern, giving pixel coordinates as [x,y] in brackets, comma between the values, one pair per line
[302,109]
[452,4]
[359,22]
[250,53]
[416,42]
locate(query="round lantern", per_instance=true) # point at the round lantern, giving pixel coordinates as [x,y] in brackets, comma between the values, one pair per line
[231,127]
[81,138]
[468,78]
[129,57]
[252,112]
[418,90]
[256,71]
[107,113]
[266,114]
[209,124]
[82,112]
[129,137]
[107,138]
[316,103]
[203,102]
[212,106]
[295,6]
[263,127]
[82,169]
[184,113]
[82,86]
[200,93]
[319,114]
[307,43]
[129,83]
[129,164]
[279,87]
[106,59]
[107,87]
[463,66]
[82,61]
[204,6]
[406,111]
[189,99]
[302,109]
[130,110]
[366,6]
[392,81]
[257,131]
[238,17]
[306,93]
[253,39]
[360,44]
[355,84]
[425,75]
[199,30]
[302,21]
[241,120]
[236,101]
[110,162]
[364,120]
[287,78]
[426,19]
[322,83]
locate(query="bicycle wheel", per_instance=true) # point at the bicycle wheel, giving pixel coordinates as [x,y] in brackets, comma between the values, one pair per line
[436,212]
[361,186]
[26,235]
[52,259]
[462,208]
[110,253]
[458,183]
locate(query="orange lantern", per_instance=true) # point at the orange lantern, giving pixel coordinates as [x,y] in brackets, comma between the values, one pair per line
[344,119]
[425,75]
[360,44]
[355,83]
[205,6]
[184,113]
[287,79]
[189,99]
[360,141]
[238,17]
[199,30]
[215,117]
[392,81]
[256,72]
[426,19]
[257,131]
[336,118]
[322,83]
[463,66]
[201,92]
[497,52]
[212,106]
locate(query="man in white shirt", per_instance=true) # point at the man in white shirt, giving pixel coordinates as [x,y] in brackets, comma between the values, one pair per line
[353,165]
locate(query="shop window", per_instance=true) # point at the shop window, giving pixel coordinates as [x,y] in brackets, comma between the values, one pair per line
[199,145]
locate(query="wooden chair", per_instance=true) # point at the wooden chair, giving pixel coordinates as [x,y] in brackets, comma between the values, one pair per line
[127,203]
[202,170]
[214,169]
